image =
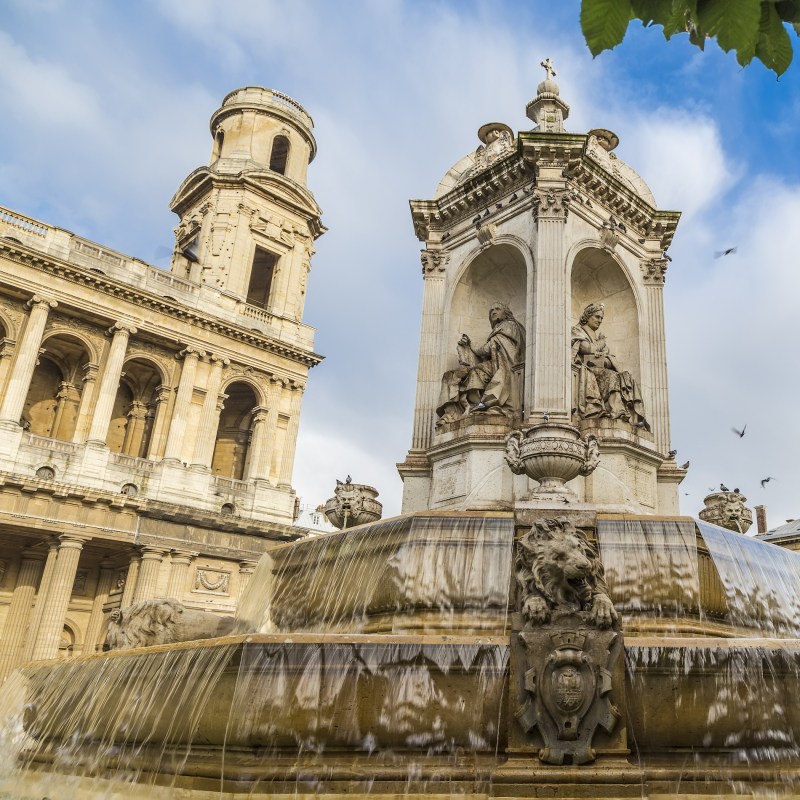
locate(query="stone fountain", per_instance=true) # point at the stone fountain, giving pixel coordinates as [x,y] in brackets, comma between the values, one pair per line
[540,621]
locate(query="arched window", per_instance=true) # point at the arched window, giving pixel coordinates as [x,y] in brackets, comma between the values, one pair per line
[218,141]
[261,273]
[280,154]
[234,432]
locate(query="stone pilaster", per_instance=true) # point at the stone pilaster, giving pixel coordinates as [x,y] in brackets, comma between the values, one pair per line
[131,580]
[290,442]
[7,349]
[87,398]
[146,585]
[658,413]
[109,382]
[548,377]
[41,595]
[179,572]
[246,570]
[273,404]
[430,368]
[209,416]
[258,467]
[19,611]
[174,450]
[56,601]
[134,430]
[27,355]
[104,582]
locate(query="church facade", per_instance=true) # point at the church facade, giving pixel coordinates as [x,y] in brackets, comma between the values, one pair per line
[149,418]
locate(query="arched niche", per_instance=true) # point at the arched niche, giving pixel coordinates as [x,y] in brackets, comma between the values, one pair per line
[597,277]
[232,441]
[496,274]
[53,399]
[135,408]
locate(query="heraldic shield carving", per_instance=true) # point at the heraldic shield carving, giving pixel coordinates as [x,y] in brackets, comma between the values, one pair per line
[566,649]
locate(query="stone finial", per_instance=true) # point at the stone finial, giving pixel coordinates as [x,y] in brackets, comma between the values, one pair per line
[353,504]
[727,509]
[547,109]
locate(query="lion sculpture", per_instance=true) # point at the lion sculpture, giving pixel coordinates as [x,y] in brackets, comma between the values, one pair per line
[152,622]
[558,570]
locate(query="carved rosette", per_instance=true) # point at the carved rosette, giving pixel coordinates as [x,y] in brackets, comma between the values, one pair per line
[552,454]
[353,504]
[728,510]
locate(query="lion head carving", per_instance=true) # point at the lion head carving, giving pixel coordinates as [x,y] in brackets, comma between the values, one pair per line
[557,569]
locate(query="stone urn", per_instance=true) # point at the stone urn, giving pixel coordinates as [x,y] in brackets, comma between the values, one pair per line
[728,510]
[552,453]
[353,504]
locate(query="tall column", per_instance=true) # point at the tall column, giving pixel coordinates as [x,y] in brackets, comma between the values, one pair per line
[104,582]
[131,579]
[87,398]
[27,356]
[246,570]
[7,349]
[209,416]
[148,573]
[57,600]
[163,394]
[41,596]
[290,442]
[109,383]
[180,413]
[549,377]
[66,415]
[134,430]
[19,612]
[258,468]
[273,406]
[429,372]
[658,413]
[179,572]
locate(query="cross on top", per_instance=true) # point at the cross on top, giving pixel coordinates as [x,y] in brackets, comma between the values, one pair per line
[548,65]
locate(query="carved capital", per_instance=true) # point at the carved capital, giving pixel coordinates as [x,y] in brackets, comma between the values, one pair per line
[552,204]
[44,303]
[654,270]
[260,414]
[189,353]
[122,329]
[434,262]
[219,361]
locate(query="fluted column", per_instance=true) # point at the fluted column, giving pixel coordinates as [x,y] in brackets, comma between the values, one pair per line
[179,572]
[549,377]
[134,430]
[657,413]
[149,571]
[209,416]
[246,570]
[430,369]
[271,431]
[57,600]
[131,579]
[27,356]
[109,383]
[19,611]
[93,627]
[258,467]
[69,398]
[41,596]
[290,442]
[87,398]
[180,413]
[163,394]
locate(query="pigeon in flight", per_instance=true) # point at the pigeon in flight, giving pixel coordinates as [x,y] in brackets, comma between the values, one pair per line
[728,252]
[738,432]
[765,481]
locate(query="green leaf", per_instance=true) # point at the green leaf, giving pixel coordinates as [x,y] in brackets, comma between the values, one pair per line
[788,10]
[604,23]
[653,12]
[796,26]
[774,47]
[735,23]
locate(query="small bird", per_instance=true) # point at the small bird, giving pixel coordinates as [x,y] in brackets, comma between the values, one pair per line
[672,454]
[665,256]
[476,219]
[728,252]
[641,241]
[546,416]
[723,488]
[765,481]
[486,213]
[513,197]
[445,237]
[498,205]
[736,491]
[348,479]
[738,432]
[685,465]
[565,500]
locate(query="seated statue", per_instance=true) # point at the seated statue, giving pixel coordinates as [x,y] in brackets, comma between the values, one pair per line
[603,389]
[483,379]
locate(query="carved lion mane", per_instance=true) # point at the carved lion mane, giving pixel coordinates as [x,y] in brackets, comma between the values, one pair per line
[558,570]
[143,624]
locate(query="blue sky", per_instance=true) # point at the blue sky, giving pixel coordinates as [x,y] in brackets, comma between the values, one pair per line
[106,109]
